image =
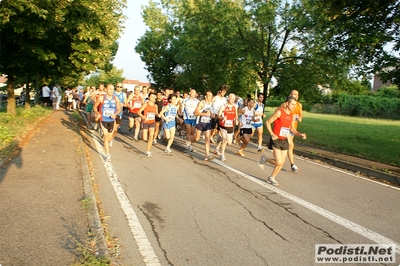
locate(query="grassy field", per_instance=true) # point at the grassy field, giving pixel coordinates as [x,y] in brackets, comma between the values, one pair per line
[373,139]
[12,129]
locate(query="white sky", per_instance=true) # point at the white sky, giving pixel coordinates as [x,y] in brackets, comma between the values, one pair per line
[126,58]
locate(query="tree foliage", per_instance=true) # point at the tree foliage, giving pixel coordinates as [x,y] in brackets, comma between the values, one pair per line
[55,39]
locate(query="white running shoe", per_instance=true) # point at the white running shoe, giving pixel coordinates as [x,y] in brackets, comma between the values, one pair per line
[108,158]
[148,154]
[261,162]
[272,181]
[295,168]
[168,150]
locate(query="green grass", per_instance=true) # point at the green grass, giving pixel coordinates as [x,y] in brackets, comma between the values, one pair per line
[372,139]
[13,128]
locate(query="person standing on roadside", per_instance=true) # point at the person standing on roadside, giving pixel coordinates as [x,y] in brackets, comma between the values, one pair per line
[46,95]
[283,122]
[297,117]
[106,108]
[57,96]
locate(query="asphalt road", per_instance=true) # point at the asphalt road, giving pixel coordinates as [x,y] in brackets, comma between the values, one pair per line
[177,209]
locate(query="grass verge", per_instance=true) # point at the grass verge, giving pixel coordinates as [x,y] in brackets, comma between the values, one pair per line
[371,139]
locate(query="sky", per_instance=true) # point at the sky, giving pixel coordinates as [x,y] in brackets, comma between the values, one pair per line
[126,58]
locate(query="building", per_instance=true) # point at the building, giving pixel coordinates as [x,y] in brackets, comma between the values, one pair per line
[130,84]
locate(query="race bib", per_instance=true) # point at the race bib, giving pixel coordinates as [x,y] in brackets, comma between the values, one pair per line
[171,117]
[151,116]
[137,105]
[205,119]
[191,116]
[229,123]
[248,121]
[107,112]
[284,132]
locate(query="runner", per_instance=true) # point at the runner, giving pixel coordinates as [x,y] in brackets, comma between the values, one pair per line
[218,101]
[246,119]
[258,120]
[168,115]
[203,123]
[157,132]
[148,116]
[297,117]
[106,108]
[189,106]
[227,116]
[135,103]
[99,92]
[283,126]
[122,99]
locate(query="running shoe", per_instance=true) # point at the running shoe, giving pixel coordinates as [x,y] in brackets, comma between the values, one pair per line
[260,149]
[209,157]
[148,154]
[111,143]
[295,168]
[212,140]
[190,148]
[240,153]
[155,142]
[168,150]
[135,139]
[130,129]
[261,162]
[217,152]
[95,126]
[272,181]
[222,158]
[108,158]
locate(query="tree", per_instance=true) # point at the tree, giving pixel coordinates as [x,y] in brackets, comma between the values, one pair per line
[107,77]
[366,32]
[53,39]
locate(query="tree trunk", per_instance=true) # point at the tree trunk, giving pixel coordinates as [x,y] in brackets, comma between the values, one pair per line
[27,93]
[11,106]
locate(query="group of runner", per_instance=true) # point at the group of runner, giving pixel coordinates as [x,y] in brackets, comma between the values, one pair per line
[155,115]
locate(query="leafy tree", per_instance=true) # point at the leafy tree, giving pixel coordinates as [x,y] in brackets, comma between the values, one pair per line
[366,32]
[107,77]
[54,39]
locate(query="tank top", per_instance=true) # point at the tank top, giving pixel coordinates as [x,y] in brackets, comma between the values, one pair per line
[135,104]
[229,115]
[204,119]
[150,112]
[246,118]
[108,108]
[189,106]
[282,124]
[121,99]
[171,113]
[218,103]
[258,112]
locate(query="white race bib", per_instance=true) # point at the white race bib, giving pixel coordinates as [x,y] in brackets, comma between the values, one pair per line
[137,105]
[151,116]
[191,116]
[205,119]
[229,123]
[107,112]
[284,132]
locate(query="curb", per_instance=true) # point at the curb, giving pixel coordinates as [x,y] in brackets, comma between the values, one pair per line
[351,166]
[93,212]
[370,172]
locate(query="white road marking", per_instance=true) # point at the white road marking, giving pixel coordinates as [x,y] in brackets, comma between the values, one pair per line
[146,250]
[365,232]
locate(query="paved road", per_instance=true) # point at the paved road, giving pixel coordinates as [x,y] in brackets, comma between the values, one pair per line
[180,210]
